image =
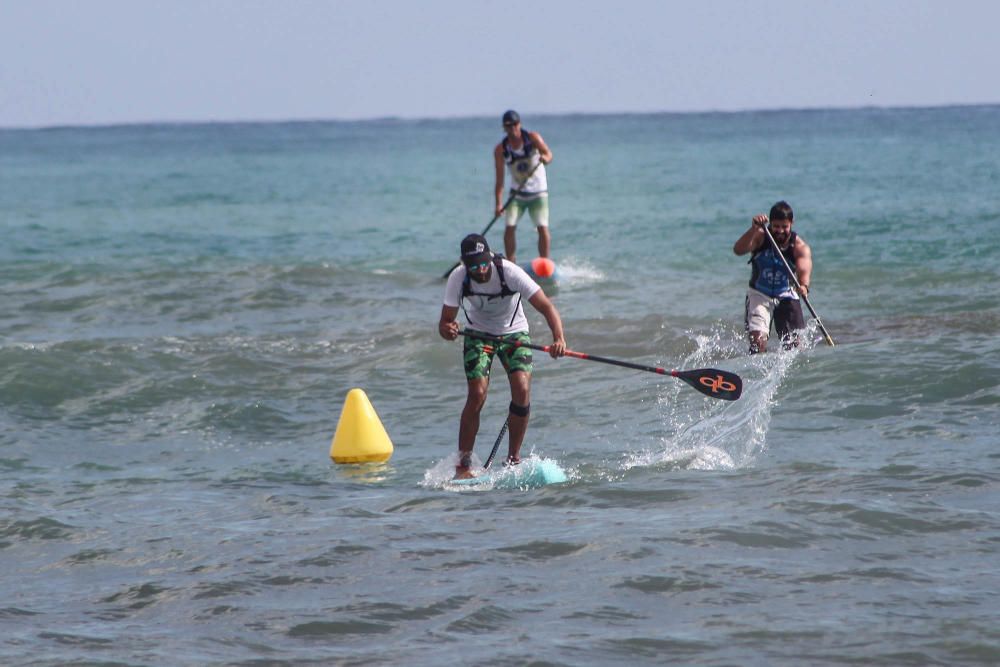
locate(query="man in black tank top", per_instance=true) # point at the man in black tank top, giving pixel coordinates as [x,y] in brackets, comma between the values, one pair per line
[522,151]
[771,295]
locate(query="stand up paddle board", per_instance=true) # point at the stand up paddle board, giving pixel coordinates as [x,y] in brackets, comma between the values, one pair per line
[529,474]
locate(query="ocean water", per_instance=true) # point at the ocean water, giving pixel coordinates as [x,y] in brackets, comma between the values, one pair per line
[185,307]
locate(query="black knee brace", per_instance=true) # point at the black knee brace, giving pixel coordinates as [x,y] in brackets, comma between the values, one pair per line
[519,410]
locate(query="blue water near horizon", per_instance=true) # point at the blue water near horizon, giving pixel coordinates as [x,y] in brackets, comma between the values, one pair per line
[187,305]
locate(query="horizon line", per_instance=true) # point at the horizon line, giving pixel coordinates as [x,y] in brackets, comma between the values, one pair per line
[382,119]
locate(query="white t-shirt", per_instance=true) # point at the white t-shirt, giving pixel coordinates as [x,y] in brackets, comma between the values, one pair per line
[484,309]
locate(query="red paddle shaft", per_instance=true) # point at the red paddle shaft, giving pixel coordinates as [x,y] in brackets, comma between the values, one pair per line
[710,381]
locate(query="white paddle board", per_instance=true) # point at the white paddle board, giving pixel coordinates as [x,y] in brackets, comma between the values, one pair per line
[529,474]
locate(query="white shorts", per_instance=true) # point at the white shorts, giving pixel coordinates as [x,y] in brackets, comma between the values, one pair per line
[761,309]
[537,208]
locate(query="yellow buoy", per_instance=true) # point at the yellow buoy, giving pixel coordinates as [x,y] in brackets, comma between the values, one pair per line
[360,436]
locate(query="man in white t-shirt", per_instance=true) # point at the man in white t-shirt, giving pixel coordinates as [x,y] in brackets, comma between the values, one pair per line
[490,289]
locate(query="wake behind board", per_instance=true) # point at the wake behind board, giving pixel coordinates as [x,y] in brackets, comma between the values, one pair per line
[543,271]
[529,474]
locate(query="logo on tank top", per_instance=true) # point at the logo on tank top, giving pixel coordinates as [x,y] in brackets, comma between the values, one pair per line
[772,276]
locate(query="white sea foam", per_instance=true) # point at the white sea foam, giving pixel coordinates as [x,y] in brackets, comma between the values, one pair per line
[577,272]
[714,434]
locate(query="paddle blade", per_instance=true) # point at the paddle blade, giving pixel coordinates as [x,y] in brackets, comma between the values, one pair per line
[713,382]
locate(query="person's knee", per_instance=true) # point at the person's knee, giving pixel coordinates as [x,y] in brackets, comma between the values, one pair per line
[520,387]
[476,397]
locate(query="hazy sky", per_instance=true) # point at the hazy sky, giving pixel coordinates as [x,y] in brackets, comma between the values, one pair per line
[111,61]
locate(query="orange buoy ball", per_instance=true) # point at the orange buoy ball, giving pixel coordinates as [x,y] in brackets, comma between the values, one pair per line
[543,267]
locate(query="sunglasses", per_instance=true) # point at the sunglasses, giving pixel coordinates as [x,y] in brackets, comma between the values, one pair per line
[481,266]
[509,124]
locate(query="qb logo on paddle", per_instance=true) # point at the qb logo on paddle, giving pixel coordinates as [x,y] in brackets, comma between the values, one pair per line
[717,383]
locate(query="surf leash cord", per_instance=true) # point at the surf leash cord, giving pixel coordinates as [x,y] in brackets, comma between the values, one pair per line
[496,445]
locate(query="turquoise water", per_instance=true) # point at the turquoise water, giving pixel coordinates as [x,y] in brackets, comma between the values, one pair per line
[186,306]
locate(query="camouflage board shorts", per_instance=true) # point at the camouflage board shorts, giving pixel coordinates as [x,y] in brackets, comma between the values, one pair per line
[479,355]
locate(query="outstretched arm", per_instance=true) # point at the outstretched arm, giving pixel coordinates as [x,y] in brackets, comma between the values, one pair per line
[803,264]
[753,237]
[498,186]
[548,310]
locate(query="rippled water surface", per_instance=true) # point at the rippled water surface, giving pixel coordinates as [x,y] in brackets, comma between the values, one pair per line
[186,307]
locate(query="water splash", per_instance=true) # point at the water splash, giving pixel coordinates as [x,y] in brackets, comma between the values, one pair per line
[576,272]
[444,470]
[721,435]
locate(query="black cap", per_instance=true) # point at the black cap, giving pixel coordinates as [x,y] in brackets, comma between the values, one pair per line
[475,249]
[510,117]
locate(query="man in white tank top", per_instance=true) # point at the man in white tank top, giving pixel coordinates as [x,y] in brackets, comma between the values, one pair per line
[525,154]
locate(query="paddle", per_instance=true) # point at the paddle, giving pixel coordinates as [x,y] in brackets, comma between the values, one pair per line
[709,381]
[496,445]
[798,287]
[496,217]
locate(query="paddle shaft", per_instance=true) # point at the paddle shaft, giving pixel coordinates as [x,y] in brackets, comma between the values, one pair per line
[496,217]
[571,353]
[724,385]
[605,360]
[798,286]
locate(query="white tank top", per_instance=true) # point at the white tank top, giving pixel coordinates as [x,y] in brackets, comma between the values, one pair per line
[521,167]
